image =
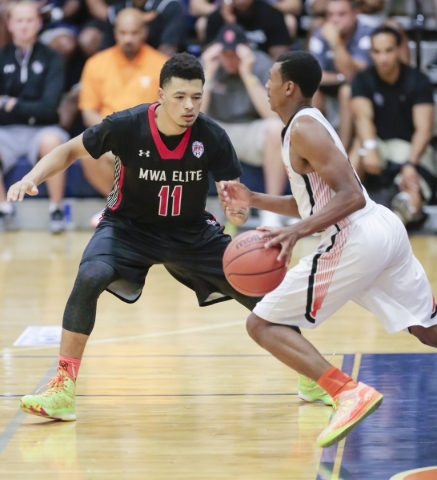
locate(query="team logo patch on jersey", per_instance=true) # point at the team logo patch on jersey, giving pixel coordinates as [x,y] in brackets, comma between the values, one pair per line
[198,149]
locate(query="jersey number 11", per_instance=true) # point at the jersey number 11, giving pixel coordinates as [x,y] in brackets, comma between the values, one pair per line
[164,194]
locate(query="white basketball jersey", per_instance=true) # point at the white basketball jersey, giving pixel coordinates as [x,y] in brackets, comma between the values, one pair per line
[310,191]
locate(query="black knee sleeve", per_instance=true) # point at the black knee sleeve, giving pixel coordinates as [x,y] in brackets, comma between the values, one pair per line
[91,281]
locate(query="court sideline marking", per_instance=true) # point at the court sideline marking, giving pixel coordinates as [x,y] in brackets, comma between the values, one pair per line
[136,337]
[16,421]
[339,457]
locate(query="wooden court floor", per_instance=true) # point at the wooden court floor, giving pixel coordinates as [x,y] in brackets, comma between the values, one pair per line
[168,390]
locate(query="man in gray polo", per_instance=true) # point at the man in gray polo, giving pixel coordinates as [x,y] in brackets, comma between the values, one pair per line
[31,84]
[342,47]
[235,96]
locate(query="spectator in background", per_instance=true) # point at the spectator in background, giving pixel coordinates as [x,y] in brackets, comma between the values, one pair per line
[203,8]
[393,107]
[165,20]
[31,83]
[115,79]
[265,25]
[235,96]
[91,37]
[291,10]
[59,30]
[341,46]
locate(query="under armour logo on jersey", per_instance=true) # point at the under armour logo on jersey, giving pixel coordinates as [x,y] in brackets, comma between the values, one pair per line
[147,153]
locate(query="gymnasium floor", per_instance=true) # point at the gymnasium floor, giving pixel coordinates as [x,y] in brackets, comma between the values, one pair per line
[168,390]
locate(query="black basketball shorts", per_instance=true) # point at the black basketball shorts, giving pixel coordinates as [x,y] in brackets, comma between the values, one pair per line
[191,254]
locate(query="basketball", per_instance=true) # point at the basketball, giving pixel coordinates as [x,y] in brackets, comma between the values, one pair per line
[251,268]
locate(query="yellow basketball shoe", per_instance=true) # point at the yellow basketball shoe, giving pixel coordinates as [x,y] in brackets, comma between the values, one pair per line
[351,407]
[309,391]
[57,402]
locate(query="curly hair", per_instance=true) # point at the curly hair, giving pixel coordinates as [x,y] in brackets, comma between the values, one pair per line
[181,65]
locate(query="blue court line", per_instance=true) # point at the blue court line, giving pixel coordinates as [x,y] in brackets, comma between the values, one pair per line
[12,427]
[327,460]
[401,434]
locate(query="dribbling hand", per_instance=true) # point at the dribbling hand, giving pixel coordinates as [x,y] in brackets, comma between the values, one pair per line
[17,191]
[285,236]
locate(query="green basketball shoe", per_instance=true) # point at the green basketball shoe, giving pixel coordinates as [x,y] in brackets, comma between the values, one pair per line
[309,391]
[57,402]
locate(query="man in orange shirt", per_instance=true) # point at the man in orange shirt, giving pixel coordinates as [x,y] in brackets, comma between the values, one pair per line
[116,79]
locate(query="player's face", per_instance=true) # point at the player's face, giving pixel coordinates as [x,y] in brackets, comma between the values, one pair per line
[24,23]
[342,15]
[385,53]
[276,87]
[182,99]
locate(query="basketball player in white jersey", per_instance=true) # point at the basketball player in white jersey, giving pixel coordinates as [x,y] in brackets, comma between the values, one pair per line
[364,254]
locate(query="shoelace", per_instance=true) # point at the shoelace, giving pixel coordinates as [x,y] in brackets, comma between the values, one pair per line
[56,384]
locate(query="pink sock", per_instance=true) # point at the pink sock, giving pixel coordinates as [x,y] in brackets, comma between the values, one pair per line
[70,365]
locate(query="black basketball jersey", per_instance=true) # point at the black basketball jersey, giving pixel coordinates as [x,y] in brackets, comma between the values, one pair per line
[155,185]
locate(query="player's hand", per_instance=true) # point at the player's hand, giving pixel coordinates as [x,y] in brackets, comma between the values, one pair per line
[17,191]
[247,59]
[237,216]
[211,60]
[234,194]
[410,178]
[287,237]
[372,162]
[227,12]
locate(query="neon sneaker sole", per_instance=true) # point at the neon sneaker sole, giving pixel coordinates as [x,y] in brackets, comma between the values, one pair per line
[335,435]
[35,409]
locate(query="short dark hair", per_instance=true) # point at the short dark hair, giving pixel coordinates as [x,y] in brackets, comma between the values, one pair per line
[387,30]
[182,65]
[303,69]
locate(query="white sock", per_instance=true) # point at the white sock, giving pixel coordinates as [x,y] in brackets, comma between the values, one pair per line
[55,206]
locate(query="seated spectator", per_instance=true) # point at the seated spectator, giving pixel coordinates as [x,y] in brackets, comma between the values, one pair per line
[264,25]
[59,30]
[235,96]
[31,83]
[165,20]
[91,37]
[202,9]
[393,107]
[291,10]
[116,79]
[341,46]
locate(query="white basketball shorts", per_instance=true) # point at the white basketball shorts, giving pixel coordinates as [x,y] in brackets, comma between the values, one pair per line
[369,261]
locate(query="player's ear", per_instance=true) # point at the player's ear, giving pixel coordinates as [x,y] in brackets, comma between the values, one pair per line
[161,95]
[290,88]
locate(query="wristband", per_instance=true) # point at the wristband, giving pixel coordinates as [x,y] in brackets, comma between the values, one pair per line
[252,81]
[409,162]
[370,144]
[341,78]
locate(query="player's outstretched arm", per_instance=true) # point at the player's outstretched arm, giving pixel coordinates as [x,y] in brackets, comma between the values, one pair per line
[235,194]
[56,161]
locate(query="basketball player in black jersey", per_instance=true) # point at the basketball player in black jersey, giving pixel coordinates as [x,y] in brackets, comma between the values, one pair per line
[155,213]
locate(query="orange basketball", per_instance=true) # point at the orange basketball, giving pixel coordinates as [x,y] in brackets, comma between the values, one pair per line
[251,268]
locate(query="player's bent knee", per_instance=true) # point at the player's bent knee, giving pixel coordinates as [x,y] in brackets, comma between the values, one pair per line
[255,327]
[427,336]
